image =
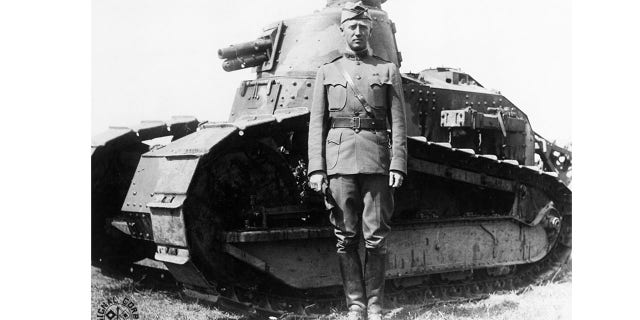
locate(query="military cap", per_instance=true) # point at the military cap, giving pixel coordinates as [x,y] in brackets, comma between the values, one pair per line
[352,11]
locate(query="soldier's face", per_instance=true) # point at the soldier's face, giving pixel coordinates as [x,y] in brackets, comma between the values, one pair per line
[356,33]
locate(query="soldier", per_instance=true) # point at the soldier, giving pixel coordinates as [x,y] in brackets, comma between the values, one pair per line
[355,97]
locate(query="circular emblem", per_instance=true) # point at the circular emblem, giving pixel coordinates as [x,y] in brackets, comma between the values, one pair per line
[117,309]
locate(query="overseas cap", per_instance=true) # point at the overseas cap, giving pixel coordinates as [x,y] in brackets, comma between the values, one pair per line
[352,11]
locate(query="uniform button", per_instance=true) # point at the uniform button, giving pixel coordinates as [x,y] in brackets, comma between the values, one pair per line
[358,77]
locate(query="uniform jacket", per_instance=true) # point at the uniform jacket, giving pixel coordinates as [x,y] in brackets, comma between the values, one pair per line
[343,150]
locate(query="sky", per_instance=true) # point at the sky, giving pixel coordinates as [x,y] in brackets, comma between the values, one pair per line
[152,59]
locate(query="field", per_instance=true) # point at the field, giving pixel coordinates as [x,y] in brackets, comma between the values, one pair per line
[161,301]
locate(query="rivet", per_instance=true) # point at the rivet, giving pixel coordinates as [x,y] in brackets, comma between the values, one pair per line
[413,90]
[241,133]
[420,99]
[306,97]
[419,91]
[309,84]
[434,100]
[134,193]
[295,83]
[293,97]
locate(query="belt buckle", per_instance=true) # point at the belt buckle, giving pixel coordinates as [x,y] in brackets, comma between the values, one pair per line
[355,122]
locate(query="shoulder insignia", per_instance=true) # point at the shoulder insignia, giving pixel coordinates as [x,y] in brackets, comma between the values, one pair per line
[385,60]
[334,59]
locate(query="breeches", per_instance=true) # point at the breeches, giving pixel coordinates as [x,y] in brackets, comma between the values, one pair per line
[365,197]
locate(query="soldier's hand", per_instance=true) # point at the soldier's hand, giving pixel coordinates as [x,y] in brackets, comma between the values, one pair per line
[318,181]
[395,179]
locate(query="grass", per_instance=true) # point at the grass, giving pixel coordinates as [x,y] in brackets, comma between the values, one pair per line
[152,302]
[162,301]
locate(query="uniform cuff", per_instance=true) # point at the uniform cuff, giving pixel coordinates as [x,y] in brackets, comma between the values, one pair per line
[316,166]
[399,165]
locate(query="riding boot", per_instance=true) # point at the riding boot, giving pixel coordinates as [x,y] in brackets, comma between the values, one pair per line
[351,271]
[375,263]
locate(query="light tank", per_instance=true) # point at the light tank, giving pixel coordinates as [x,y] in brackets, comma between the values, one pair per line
[226,209]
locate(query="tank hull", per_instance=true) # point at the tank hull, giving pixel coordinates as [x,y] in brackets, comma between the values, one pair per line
[289,247]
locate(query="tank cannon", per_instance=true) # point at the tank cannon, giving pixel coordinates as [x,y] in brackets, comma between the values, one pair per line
[245,55]
[259,52]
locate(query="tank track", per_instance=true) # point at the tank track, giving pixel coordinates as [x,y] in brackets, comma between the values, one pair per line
[270,304]
[253,302]
[289,307]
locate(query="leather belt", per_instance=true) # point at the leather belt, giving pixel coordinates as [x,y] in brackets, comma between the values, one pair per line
[357,123]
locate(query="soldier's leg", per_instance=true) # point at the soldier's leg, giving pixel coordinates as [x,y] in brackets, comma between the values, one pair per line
[345,218]
[378,209]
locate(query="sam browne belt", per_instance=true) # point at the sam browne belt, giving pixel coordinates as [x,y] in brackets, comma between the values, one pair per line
[357,123]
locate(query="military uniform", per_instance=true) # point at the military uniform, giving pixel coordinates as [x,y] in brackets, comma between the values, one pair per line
[353,147]
[352,155]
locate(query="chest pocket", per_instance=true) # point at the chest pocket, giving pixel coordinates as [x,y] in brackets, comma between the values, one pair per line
[336,93]
[380,85]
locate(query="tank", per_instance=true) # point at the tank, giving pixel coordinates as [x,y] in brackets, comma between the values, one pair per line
[226,209]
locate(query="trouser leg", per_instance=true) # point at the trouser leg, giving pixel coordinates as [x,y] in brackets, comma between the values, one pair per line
[345,216]
[345,219]
[377,212]
[377,199]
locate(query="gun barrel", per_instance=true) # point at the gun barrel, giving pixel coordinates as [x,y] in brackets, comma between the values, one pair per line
[244,62]
[245,49]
